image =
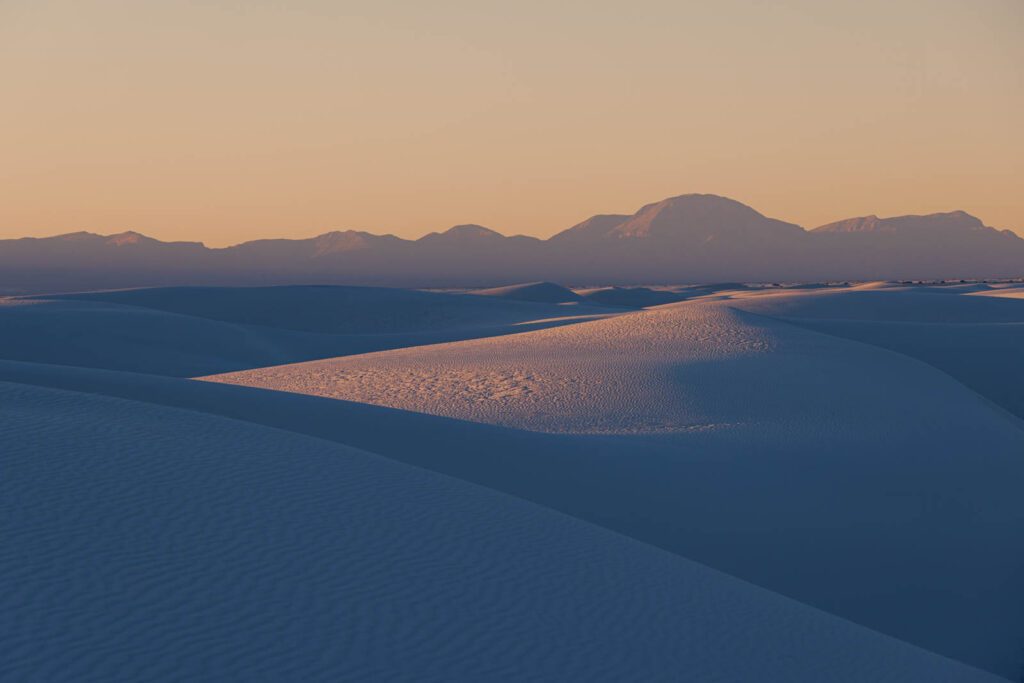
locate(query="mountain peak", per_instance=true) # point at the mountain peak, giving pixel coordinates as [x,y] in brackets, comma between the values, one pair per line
[704,217]
[857,224]
[129,237]
[471,230]
[701,198]
[465,232]
[77,236]
[346,240]
[952,222]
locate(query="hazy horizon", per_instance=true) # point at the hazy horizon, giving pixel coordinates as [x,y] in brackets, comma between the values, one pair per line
[224,123]
[298,234]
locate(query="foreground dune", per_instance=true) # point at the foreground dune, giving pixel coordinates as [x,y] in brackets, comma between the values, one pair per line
[188,546]
[846,476]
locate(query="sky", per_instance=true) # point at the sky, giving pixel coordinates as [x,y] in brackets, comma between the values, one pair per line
[225,121]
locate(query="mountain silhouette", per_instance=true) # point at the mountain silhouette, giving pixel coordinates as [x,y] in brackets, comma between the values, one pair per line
[698,218]
[950,245]
[690,238]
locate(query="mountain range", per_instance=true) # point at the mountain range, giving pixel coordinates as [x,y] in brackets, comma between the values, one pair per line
[689,238]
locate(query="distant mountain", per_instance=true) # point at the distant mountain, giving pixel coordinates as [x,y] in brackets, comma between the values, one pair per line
[696,219]
[689,238]
[939,245]
[694,237]
[594,227]
[956,223]
[463,234]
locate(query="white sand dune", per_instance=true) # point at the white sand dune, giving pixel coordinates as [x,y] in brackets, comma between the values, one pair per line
[545,292]
[332,309]
[183,546]
[104,335]
[851,478]
[846,476]
[875,284]
[980,343]
[630,297]
[188,331]
[1012,292]
[646,297]
[896,304]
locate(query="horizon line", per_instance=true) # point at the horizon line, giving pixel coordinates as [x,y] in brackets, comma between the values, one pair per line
[626,216]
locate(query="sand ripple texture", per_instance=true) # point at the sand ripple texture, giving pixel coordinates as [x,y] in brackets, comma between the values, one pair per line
[145,543]
[637,373]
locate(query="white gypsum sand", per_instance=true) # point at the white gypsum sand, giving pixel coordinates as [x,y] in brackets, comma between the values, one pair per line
[855,479]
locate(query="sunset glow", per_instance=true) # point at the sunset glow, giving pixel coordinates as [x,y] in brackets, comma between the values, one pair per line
[228,121]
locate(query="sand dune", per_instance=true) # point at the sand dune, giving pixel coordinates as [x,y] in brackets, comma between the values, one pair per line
[1012,292]
[906,304]
[756,447]
[630,297]
[335,310]
[545,292]
[186,546]
[851,478]
[104,335]
[960,329]
[188,331]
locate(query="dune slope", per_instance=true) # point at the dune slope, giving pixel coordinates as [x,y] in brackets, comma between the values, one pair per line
[231,551]
[849,477]
[188,331]
[955,329]
[545,292]
[333,309]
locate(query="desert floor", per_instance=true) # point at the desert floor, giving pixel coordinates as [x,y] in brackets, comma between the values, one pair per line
[725,483]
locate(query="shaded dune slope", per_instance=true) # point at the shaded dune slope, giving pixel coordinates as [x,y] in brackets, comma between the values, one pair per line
[630,297]
[330,309]
[758,514]
[188,331]
[963,331]
[295,558]
[756,447]
[545,292]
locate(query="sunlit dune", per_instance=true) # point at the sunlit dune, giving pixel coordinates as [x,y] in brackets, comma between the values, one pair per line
[707,403]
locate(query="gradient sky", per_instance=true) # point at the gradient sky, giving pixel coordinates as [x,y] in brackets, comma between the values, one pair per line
[226,121]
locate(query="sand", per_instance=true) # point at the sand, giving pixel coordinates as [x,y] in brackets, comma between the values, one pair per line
[187,546]
[748,485]
[189,331]
[756,446]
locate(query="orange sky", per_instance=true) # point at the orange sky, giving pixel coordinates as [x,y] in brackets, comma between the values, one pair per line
[226,121]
